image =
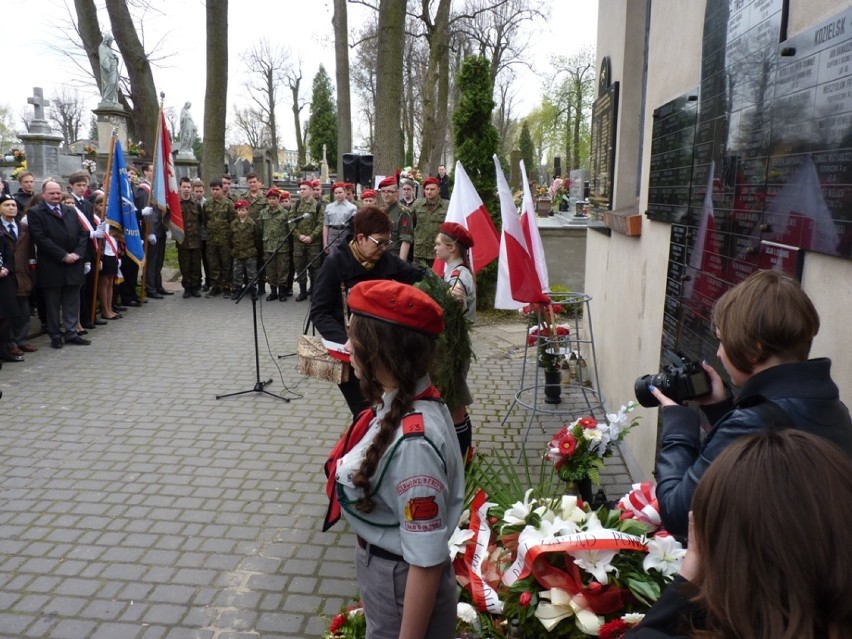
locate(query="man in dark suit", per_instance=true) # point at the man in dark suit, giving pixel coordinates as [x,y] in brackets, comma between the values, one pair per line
[78,183]
[61,243]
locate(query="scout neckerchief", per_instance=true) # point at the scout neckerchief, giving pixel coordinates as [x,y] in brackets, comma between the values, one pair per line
[354,434]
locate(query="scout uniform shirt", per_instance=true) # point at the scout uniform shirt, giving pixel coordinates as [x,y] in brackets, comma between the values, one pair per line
[218,217]
[244,236]
[402,230]
[312,226]
[191,212]
[273,224]
[418,486]
[456,272]
[429,216]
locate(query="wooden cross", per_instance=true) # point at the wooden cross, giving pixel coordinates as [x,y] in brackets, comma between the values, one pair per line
[38,102]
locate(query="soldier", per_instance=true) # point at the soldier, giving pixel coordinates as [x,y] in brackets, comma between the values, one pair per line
[402,234]
[287,204]
[244,234]
[226,188]
[273,225]
[257,202]
[307,234]
[218,213]
[189,252]
[430,212]
[198,195]
[337,218]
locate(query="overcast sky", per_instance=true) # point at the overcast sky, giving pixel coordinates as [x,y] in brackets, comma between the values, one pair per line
[33,47]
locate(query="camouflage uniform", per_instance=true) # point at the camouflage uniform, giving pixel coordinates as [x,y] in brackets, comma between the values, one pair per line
[244,239]
[402,230]
[273,224]
[256,205]
[189,252]
[429,216]
[305,256]
[217,216]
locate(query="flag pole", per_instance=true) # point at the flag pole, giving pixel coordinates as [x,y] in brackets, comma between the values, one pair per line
[151,194]
[100,242]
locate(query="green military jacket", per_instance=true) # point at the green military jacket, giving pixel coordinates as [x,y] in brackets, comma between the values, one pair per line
[256,205]
[429,216]
[217,217]
[403,228]
[273,224]
[191,224]
[313,225]
[244,236]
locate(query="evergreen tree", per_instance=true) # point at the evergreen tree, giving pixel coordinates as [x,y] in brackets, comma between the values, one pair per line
[527,148]
[322,126]
[476,141]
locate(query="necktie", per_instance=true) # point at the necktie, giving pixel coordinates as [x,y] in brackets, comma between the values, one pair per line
[57,210]
[12,231]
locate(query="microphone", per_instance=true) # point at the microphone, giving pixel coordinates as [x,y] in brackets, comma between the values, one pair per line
[296,220]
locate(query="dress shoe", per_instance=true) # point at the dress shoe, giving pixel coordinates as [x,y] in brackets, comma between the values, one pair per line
[78,341]
[196,292]
[117,316]
[135,303]
[83,332]
[154,296]
[28,348]
[301,297]
[186,294]
[56,342]
[163,291]
[16,352]
[100,322]
[119,309]
[11,358]
[88,325]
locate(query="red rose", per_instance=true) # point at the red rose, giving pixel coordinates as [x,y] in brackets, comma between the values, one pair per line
[525,599]
[587,422]
[557,308]
[567,444]
[337,623]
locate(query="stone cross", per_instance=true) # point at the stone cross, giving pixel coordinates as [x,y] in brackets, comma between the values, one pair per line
[38,102]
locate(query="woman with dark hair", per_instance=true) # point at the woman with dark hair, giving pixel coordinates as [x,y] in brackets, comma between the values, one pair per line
[397,473]
[769,538]
[365,258]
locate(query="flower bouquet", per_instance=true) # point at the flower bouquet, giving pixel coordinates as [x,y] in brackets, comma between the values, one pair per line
[412,173]
[19,156]
[553,567]
[550,338]
[579,449]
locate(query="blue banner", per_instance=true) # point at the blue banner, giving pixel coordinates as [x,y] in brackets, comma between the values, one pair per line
[121,209]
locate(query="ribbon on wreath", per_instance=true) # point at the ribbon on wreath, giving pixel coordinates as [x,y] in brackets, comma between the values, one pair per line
[563,605]
[484,596]
[641,504]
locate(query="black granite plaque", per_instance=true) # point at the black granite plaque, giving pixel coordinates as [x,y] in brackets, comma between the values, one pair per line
[602,161]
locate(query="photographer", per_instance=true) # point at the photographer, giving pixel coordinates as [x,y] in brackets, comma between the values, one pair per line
[765,326]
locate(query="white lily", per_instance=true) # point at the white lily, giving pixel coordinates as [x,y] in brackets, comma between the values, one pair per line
[458,540]
[596,562]
[569,511]
[520,510]
[665,554]
[466,612]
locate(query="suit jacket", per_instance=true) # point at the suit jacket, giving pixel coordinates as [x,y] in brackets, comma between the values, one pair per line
[88,210]
[8,303]
[55,237]
[22,249]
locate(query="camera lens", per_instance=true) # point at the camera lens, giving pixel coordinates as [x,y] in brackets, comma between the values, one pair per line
[643,395]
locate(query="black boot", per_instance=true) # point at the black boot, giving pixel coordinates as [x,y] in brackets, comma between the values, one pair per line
[187,293]
[273,294]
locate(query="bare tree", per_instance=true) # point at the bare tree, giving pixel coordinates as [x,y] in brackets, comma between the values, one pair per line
[572,92]
[66,113]
[364,76]
[250,124]
[268,63]
[436,84]
[341,66]
[293,75]
[503,118]
[387,152]
[172,119]
[215,100]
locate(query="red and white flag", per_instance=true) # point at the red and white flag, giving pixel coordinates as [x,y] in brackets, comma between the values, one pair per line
[517,279]
[531,234]
[466,208]
[164,192]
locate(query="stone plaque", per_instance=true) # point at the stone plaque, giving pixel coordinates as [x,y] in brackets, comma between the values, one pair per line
[602,161]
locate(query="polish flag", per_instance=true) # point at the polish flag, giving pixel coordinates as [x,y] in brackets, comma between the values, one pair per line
[466,208]
[517,279]
[531,234]
[164,192]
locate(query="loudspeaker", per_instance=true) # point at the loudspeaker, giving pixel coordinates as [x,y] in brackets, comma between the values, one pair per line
[350,168]
[557,167]
[365,170]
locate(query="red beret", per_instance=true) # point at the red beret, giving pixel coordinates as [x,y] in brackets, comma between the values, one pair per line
[285,195]
[316,182]
[368,193]
[349,186]
[459,233]
[338,185]
[397,303]
[390,180]
[305,183]
[241,204]
[273,193]
[431,180]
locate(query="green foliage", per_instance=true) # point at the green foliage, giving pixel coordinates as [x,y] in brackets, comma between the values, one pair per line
[322,126]
[197,147]
[527,149]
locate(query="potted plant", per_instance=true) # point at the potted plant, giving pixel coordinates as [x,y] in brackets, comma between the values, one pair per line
[551,341]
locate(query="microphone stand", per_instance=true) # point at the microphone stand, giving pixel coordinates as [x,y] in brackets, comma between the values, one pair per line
[251,288]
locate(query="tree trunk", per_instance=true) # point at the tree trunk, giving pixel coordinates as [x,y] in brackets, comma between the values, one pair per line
[387,152]
[216,98]
[341,59]
[90,33]
[143,93]
[436,90]
[294,82]
[578,119]
[271,88]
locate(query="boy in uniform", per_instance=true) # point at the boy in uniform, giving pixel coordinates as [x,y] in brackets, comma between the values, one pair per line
[244,238]
[273,225]
[218,213]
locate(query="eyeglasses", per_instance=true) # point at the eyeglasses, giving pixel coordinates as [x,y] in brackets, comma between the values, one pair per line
[382,246]
[387,190]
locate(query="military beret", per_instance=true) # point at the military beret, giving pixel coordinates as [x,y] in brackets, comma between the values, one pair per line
[285,195]
[305,183]
[397,303]
[338,185]
[5,197]
[390,180]
[273,193]
[349,186]
[431,180]
[316,182]
[458,233]
[368,193]
[241,204]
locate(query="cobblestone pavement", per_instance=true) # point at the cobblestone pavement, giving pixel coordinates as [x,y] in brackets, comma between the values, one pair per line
[135,505]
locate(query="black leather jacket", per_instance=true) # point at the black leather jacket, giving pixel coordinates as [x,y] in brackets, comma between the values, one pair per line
[804,390]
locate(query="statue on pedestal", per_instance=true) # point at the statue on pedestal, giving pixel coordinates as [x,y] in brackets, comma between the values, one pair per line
[108,60]
[187,130]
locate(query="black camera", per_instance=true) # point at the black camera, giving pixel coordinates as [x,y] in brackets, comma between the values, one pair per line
[680,380]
